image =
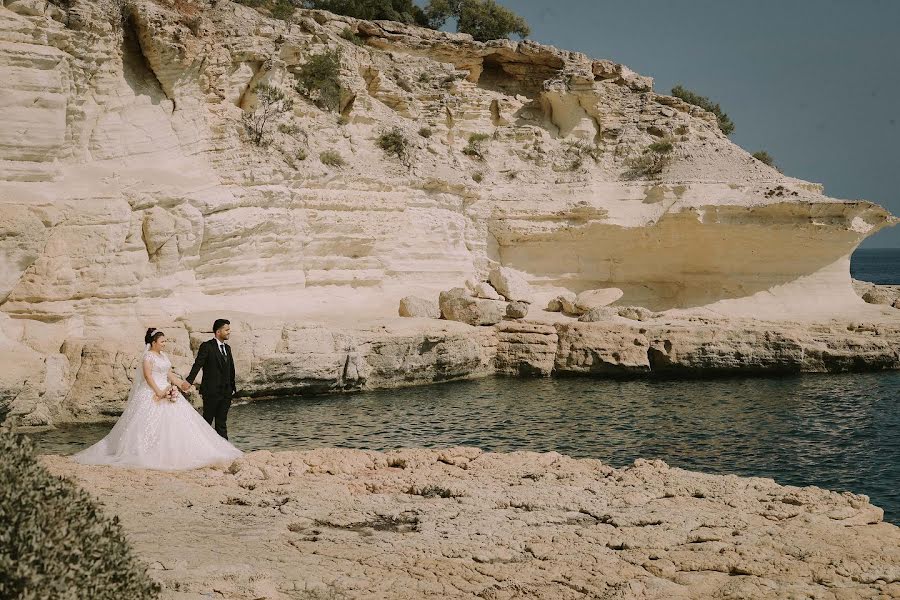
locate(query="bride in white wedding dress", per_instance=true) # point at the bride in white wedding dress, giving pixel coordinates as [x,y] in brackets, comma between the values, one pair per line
[159,428]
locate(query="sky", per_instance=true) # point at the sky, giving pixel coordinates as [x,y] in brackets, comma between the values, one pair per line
[816,83]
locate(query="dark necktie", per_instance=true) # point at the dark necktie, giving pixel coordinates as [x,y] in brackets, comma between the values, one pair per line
[224,354]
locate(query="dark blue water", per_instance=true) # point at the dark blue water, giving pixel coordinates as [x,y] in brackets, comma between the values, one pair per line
[878,265]
[837,432]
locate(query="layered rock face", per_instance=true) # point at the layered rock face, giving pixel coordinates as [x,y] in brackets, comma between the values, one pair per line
[131,196]
[459,523]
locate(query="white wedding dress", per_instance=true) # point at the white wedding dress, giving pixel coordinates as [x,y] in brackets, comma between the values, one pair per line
[158,434]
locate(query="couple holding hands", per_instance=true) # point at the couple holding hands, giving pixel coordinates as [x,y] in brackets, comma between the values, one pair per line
[159,428]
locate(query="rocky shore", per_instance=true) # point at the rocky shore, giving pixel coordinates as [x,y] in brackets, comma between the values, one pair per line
[459,523]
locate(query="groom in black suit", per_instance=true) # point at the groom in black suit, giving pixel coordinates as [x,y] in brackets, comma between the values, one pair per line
[217,387]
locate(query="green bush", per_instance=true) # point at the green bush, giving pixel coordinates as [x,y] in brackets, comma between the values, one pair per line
[765,158]
[332,158]
[271,104]
[394,143]
[319,80]
[478,176]
[54,540]
[482,19]
[349,35]
[725,123]
[278,9]
[475,146]
[425,132]
[405,11]
[652,161]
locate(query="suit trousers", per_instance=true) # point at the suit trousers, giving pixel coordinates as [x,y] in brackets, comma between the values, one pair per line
[215,408]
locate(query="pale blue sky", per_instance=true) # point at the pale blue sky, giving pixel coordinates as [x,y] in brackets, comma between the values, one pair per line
[814,82]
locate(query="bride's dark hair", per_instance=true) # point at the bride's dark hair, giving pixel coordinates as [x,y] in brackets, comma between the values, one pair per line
[152,335]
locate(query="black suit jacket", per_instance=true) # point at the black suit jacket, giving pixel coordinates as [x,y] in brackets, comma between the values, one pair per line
[218,372]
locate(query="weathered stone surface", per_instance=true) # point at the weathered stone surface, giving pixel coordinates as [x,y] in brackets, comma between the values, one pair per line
[457,305]
[527,349]
[589,299]
[414,524]
[517,310]
[511,284]
[697,346]
[605,313]
[486,290]
[413,306]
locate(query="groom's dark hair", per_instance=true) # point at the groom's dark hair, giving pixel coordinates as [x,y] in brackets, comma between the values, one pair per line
[219,324]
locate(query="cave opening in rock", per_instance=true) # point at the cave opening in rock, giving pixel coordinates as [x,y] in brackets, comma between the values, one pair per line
[137,70]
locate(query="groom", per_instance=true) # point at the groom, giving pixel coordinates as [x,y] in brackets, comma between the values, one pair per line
[217,386]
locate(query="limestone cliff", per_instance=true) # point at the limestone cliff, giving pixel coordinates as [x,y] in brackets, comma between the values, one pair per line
[130,195]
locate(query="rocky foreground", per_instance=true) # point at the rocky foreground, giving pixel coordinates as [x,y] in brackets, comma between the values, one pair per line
[460,523]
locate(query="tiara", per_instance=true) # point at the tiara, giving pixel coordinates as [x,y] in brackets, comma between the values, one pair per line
[153,330]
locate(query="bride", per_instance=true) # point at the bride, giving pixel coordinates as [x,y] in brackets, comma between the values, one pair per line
[159,428]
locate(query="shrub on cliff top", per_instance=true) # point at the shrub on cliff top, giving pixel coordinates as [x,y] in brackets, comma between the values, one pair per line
[319,80]
[54,540]
[405,11]
[482,19]
[725,123]
[765,158]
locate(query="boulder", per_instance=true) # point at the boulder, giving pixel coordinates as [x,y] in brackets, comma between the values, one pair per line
[486,290]
[879,295]
[413,306]
[561,302]
[457,305]
[605,313]
[517,310]
[567,301]
[511,285]
[589,299]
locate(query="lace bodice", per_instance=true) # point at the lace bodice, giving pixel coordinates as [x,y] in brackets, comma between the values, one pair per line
[159,367]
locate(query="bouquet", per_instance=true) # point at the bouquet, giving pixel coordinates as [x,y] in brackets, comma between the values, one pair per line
[171,394]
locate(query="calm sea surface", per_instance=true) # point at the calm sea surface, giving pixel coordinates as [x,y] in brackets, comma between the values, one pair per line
[878,265]
[840,432]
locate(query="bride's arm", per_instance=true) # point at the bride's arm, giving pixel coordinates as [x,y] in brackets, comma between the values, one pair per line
[148,377]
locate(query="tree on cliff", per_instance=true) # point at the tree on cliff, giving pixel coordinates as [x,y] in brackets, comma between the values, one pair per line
[405,11]
[482,19]
[55,542]
[271,103]
[725,124]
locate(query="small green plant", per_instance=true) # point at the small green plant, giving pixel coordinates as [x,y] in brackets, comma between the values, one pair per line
[765,158]
[343,120]
[404,11]
[576,152]
[301,155]
[662,146]
[475,146]
[351,36]
[282,9]
[271,104]
[332,158]
[425,132]
[478,176]
[55,541]
[725,123]
[424,77]
[318,80]
[682,130]
[289,128]
[394,143]
[652,161]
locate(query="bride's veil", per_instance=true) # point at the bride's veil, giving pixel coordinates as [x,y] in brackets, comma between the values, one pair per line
[138,378]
